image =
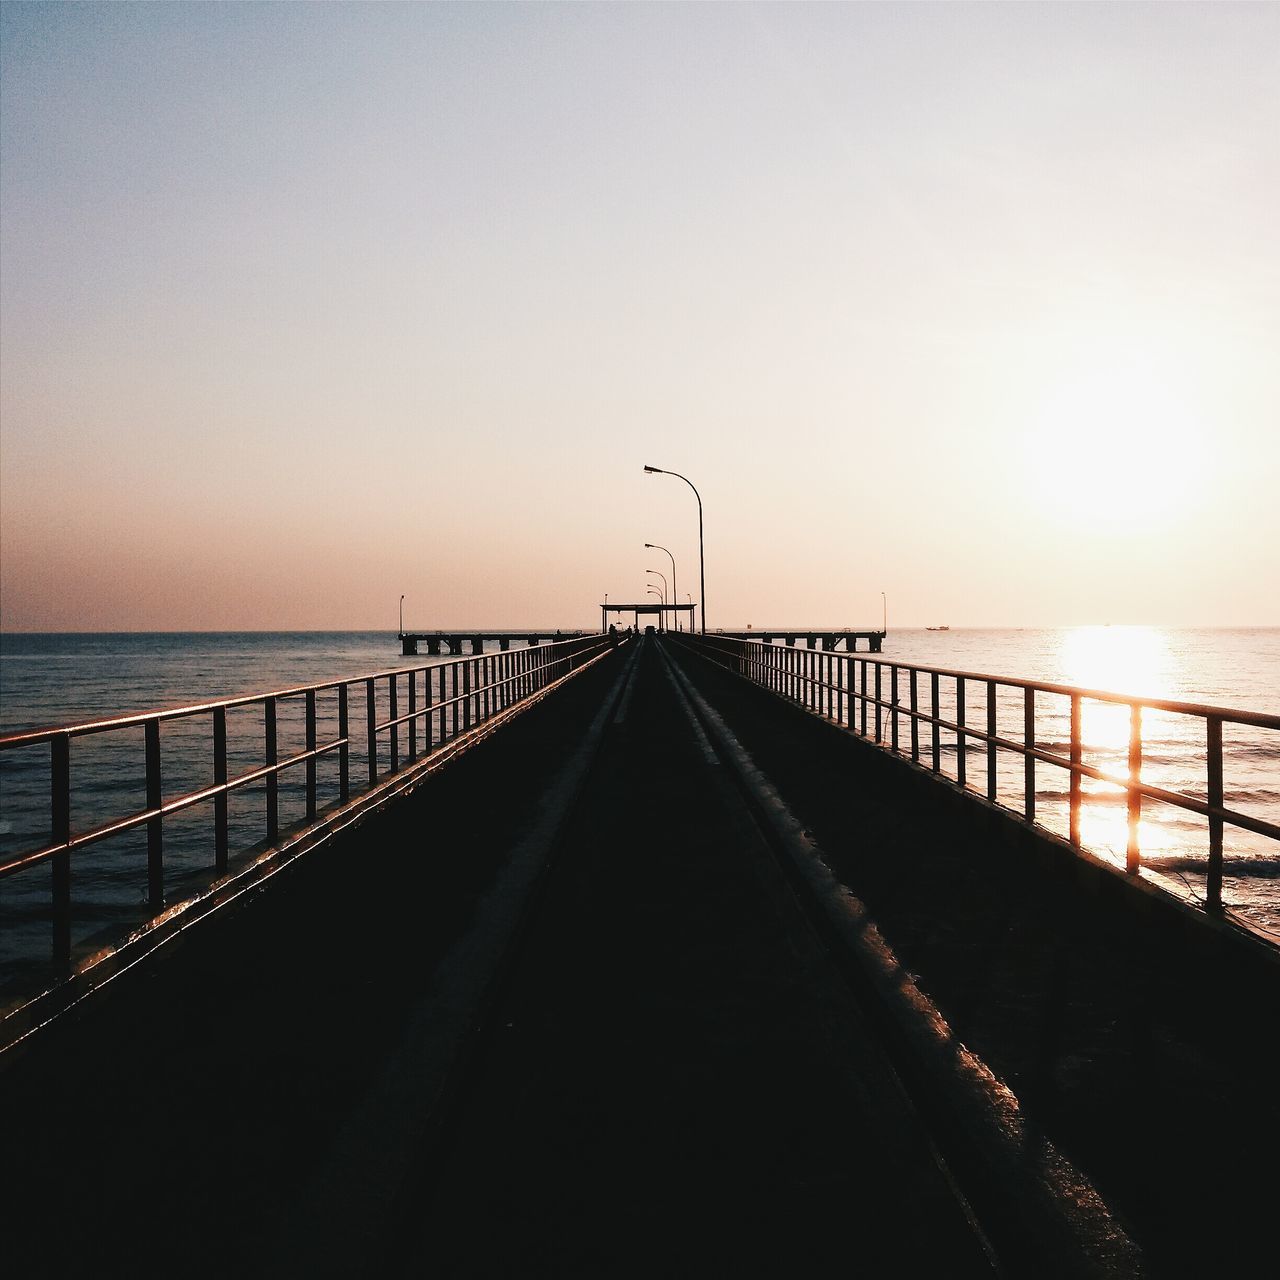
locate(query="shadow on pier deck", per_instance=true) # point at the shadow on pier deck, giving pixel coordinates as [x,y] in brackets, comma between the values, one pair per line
[566,1010]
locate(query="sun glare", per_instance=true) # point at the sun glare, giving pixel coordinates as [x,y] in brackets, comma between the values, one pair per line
[1115,447]
[1135,660]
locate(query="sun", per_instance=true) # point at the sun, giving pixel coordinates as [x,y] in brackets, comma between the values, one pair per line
[1114,445]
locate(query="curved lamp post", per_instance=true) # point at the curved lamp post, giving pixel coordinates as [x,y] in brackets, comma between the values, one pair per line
[884,620]
[675,598]
[702,564]
[402,615]
[653,591]
[664,592]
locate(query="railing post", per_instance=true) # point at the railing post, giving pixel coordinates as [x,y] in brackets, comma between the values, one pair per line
[220,807]
[393,706]
[466,694]
[915,717]
[273,778]
[960,760]
[311,760]
[1077,755]
[937,728]
[60,830]
[453,696]
[879,708]
[893,714]
[1213,883]
[426,719]
[863,664]
[1028,760]
[991,746]
[344,751]
[371,728]
[1133,854]
[155,826]
[413,717]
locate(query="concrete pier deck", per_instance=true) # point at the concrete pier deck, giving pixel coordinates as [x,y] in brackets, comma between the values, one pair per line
[563,1011]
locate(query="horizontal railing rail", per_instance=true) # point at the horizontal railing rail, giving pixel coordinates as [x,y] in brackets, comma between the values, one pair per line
[443,700]
[851,690]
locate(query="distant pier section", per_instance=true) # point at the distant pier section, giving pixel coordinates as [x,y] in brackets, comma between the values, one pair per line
[829,640]
[453,642]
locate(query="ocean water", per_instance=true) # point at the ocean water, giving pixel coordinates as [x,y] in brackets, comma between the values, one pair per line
[60,679]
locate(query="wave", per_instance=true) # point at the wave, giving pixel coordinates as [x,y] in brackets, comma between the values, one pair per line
[1261,867]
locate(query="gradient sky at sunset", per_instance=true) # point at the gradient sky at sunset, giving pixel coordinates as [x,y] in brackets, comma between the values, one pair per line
[307,306]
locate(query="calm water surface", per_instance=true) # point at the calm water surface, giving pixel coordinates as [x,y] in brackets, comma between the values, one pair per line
[58,679]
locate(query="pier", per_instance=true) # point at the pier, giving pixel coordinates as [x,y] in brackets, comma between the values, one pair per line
[456,642]
[828,641]
[651,955]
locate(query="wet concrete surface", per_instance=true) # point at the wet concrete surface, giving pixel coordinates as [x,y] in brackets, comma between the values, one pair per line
[675,1079]
[1149,1060]
[168,1126]
[671,1076]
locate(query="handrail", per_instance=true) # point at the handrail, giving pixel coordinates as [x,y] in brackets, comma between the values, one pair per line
[809,677]
[455,696]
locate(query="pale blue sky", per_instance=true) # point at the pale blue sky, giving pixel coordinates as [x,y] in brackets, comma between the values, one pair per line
[307,306]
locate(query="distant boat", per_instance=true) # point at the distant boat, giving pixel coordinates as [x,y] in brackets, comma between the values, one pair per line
[937,628]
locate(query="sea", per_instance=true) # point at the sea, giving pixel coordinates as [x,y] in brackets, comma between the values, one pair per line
[48,679]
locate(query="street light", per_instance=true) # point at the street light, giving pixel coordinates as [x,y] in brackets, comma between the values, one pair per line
[402,615]
[664,593]
[675,598]
[653,591]
[884,622]
[702,563]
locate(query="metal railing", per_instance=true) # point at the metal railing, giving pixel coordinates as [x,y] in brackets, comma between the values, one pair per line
[865,694]
[441,701]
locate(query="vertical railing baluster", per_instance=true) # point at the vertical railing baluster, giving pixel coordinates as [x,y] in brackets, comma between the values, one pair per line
[936,727]
[1074,787]
[426,707]
[466,695]
[311,759]
[1213,885]
[393,710]
[1133,854]
[413,715]
[879,707]
[915,716]
[863,704]
[155,826]
[444,698]
[991,745]
[60,831]
[893,714]
[961,772]
[453,699]
[344,751]
[371,728]
[1028,760]
[221,842]
[273,778]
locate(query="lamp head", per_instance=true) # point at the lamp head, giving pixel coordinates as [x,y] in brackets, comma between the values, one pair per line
[654,470]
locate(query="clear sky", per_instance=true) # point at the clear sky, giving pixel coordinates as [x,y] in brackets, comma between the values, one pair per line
[305,307]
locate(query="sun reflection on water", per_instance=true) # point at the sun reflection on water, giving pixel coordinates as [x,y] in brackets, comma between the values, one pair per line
[1131,660]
